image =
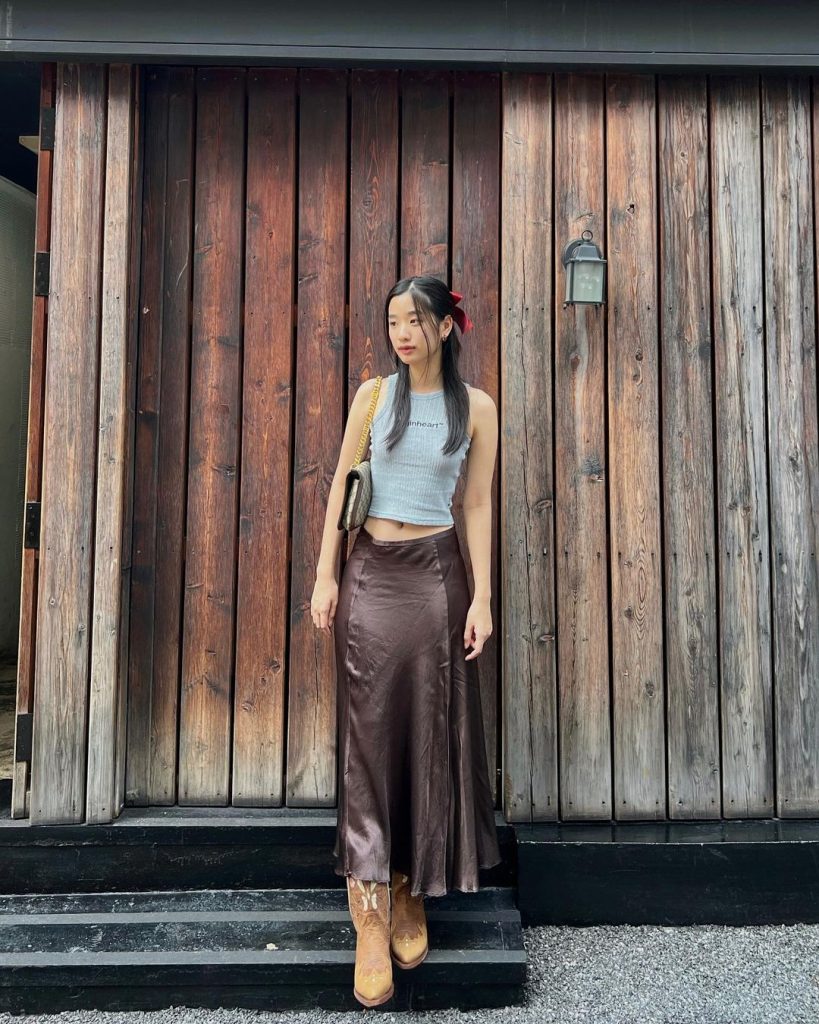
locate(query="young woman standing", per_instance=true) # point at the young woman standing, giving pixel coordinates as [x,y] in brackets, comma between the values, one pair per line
[415,810]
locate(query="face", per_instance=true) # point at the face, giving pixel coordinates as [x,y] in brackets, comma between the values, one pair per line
[406,333]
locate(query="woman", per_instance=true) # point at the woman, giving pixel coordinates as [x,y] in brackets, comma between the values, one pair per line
[415,808]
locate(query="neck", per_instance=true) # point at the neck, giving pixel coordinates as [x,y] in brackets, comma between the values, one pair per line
[431,379]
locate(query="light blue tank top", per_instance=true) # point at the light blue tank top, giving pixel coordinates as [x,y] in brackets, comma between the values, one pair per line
[414,483]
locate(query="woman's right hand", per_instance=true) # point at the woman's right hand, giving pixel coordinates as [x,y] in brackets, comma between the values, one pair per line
[323,603]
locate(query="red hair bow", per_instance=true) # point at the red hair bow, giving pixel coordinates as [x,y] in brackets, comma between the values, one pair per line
[460,316]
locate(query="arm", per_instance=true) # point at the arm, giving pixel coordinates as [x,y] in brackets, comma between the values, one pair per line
[477,507]
[332,536]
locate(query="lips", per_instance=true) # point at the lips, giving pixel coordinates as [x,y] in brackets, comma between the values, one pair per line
[410,349]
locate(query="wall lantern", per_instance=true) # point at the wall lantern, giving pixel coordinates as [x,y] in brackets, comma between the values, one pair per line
[585,270]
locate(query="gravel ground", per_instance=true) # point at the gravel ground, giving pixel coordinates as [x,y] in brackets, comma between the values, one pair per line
[646,974]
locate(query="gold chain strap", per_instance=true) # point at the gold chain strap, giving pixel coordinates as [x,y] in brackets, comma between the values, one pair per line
[362,442]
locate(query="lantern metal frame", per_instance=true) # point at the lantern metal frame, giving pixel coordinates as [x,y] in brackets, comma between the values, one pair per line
[582,250]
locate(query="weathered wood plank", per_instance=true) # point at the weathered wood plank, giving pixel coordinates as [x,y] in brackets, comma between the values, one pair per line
[266,472]
[205,726]
[103,698]
[581,460]
[689,558]
[790,333]
[134,265]
[374,223]
[172,435]
[319,397]
[475,259]
[741,446]
[34,450]
[142,616]
[425,172]
[528,684]
[69,449]
[636,587]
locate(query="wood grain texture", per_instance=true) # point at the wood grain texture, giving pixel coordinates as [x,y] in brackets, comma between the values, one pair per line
[134,266]
[208,642]
[634,472]
[581,460]
[374,225]
[103,694]
[58,775]
[319,397]
[741,449]
[527,563]
[145,500]
[27,638]
[689,556]
[790,334]
[225,366]
[425,173]
[373,221]
[172,436]
[266,472]
[475,259]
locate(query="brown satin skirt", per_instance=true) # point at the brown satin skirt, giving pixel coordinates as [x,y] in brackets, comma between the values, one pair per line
[413,783]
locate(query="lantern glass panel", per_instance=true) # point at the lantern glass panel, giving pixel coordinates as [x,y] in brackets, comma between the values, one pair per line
[587,281]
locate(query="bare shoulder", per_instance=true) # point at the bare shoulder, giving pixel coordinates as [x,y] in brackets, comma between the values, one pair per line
[482,408]
[366,388]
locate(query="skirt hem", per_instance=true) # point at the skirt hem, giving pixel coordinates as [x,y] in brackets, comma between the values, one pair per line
[377,875]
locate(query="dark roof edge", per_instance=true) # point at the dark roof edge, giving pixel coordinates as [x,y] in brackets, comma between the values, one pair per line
[346,56]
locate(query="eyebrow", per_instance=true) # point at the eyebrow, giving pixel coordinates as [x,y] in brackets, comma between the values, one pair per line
[391,315]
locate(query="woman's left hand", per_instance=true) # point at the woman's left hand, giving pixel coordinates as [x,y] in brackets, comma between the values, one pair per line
[478,626]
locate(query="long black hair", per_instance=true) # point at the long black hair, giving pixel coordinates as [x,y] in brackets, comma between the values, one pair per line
[432,303]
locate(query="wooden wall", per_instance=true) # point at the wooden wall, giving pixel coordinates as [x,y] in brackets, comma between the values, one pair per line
[655,596]
[279,207]
[661,627]
[72,579]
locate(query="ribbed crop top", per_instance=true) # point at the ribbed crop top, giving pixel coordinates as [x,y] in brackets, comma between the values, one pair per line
[415,482]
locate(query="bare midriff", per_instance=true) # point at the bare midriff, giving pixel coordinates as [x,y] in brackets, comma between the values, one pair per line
[394,529]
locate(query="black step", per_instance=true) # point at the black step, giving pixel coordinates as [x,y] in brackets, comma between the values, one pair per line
[268,949]
[148,848]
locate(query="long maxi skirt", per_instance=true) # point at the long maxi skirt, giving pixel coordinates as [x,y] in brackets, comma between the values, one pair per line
[413,783]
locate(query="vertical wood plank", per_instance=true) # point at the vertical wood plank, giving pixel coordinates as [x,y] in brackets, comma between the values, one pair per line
[636,592]
[373,221]
[687,448]
[581,462]
[425,171]
[172,435]
[27,637]
[528,684]
[319,397]
[205,725]
[373,227]
[264,521]
[103,699]
[475,257]
[134,264]
[69,449]
[142,617]
[742,501]
[790,330]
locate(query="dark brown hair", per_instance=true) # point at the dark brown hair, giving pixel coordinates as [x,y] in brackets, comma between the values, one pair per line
[432,303]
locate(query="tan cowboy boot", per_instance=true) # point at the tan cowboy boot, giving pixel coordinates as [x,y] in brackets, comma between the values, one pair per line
[408,928]
[369,904]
